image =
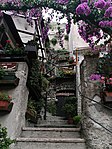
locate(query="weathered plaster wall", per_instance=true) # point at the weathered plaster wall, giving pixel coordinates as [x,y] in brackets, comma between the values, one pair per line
[15,120]
[96,136]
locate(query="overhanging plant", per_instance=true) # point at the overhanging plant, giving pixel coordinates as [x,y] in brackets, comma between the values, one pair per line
[54,41]
[5,141]
[97,14]
[66,37]
[35,76]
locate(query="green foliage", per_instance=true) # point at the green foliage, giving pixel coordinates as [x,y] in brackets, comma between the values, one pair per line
[104,66]
[77,119]
[5,96]
[8,49]
[35,106]
[39,104]
[62,51]
[2,72]
[45,83]
[15,51]
[51,107]
[5,141]
[54,41]
[47,44]
[32,106]
[36,79]
[70,106]
[35,75]
[66,37]
[92,53]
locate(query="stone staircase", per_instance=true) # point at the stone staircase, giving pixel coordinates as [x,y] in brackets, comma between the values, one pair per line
[53,133]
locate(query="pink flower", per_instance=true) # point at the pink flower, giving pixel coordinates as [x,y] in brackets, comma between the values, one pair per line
[83,9]
[8,41]
[108,12]
[102,78]
[100,4]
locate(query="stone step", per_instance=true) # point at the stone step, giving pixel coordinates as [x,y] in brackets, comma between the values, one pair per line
[50,143]
[53,122]
[50,132]
[56,125]
[56,118]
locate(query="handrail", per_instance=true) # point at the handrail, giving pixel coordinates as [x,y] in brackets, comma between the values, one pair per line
[100,124]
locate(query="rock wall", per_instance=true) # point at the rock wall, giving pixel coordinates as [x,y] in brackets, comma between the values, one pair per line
[95,115]
[15,120]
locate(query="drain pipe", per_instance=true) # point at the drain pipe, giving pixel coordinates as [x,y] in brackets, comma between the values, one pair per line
[79,110]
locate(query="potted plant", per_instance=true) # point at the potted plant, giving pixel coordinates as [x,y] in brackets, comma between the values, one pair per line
[31,113]
[9,53]
[5,141]
[70,108]
[5,102]
[8,78]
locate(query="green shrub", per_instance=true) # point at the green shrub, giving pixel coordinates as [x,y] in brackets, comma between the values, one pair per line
[5,141]
[51,107]
[77,119]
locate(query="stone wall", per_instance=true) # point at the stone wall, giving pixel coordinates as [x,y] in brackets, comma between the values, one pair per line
[94,114]
[15,120]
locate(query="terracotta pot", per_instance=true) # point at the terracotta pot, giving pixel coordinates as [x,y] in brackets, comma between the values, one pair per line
[108,93]
[4,104]
[70,120]
[106,97]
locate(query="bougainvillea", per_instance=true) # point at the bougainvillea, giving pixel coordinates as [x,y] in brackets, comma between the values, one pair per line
[89,34]
[97,14]
[83,9]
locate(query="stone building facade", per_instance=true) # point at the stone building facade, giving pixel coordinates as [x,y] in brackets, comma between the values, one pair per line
[97,119]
